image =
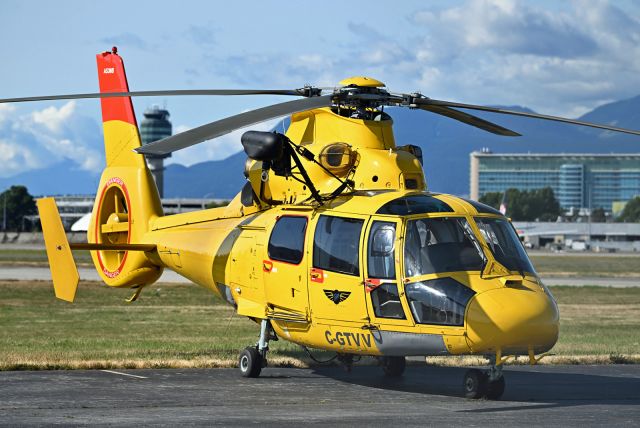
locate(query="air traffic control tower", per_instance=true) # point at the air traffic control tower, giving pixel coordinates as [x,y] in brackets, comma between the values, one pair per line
[156,126]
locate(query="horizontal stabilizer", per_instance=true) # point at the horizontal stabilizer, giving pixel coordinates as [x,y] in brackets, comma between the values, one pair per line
[113,247]
[63,268]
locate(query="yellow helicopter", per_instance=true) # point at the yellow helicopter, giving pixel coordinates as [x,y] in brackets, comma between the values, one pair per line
[333,243]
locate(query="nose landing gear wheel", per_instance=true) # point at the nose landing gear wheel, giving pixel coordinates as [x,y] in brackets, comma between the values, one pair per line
[393,366]
[475,384]
[250,362]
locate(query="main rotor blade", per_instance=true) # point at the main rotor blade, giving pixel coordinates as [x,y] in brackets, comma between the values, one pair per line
[470,120]
[432,102]
[295,92]
[229,124]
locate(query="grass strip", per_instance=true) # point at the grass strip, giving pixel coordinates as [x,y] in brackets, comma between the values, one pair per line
[187,326]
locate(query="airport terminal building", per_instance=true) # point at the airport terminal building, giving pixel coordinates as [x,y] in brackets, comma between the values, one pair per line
[578,180]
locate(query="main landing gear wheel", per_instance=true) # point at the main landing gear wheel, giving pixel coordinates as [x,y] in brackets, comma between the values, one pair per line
[393,366]
[250,362]
[477,384]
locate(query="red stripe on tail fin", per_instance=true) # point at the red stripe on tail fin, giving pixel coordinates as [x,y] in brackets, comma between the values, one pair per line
[113,78]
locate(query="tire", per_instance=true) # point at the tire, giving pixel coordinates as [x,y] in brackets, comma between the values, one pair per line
[495,389]
[393,366]
[250,362]
[475,384]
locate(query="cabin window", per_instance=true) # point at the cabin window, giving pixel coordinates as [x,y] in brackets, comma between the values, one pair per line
[336,244]
[286,243]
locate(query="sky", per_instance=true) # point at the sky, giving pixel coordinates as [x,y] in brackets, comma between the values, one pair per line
[559,58]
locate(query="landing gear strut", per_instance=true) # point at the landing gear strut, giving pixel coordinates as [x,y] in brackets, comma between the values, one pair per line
[485,384]
[347,361]
[254,358]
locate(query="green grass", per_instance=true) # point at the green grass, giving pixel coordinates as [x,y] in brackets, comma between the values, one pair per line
[591,265]
[186,326]
[167,324]
[598,320]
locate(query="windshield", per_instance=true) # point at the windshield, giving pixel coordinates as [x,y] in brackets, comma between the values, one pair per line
[440,245]
[504,244]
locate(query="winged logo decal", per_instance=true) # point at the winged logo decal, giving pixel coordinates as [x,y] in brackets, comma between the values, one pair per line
[337,296]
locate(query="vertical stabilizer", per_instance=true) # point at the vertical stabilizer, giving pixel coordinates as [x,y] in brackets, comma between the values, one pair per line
[127,197]
[121,134]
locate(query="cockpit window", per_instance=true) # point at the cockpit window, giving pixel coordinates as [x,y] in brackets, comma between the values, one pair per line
[440,245]
[505,244]
[381,261]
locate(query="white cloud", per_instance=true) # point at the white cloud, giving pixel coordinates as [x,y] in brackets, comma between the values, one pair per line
[5,111]
[562,59]
[44,137]
[511,52]
[54,119]
[16,158]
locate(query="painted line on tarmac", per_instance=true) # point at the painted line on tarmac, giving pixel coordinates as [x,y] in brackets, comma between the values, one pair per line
[124,374]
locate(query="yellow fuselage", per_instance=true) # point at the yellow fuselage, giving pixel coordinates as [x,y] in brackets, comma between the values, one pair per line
[510,311]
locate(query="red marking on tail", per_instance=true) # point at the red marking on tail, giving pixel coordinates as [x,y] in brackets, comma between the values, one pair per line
[113,78]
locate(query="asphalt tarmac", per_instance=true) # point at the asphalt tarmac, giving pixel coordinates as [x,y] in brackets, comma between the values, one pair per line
[425,395]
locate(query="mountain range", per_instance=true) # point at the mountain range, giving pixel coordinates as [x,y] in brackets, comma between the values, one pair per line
[445,143]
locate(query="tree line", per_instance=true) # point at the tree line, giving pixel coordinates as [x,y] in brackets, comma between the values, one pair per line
[542,205]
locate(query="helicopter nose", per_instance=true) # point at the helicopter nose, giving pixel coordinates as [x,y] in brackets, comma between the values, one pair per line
[513,320]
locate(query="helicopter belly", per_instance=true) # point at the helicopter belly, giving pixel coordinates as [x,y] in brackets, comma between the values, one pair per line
[355,340]
[403,344]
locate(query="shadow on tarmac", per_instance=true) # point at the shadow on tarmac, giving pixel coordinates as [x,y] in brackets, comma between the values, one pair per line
[551,388]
